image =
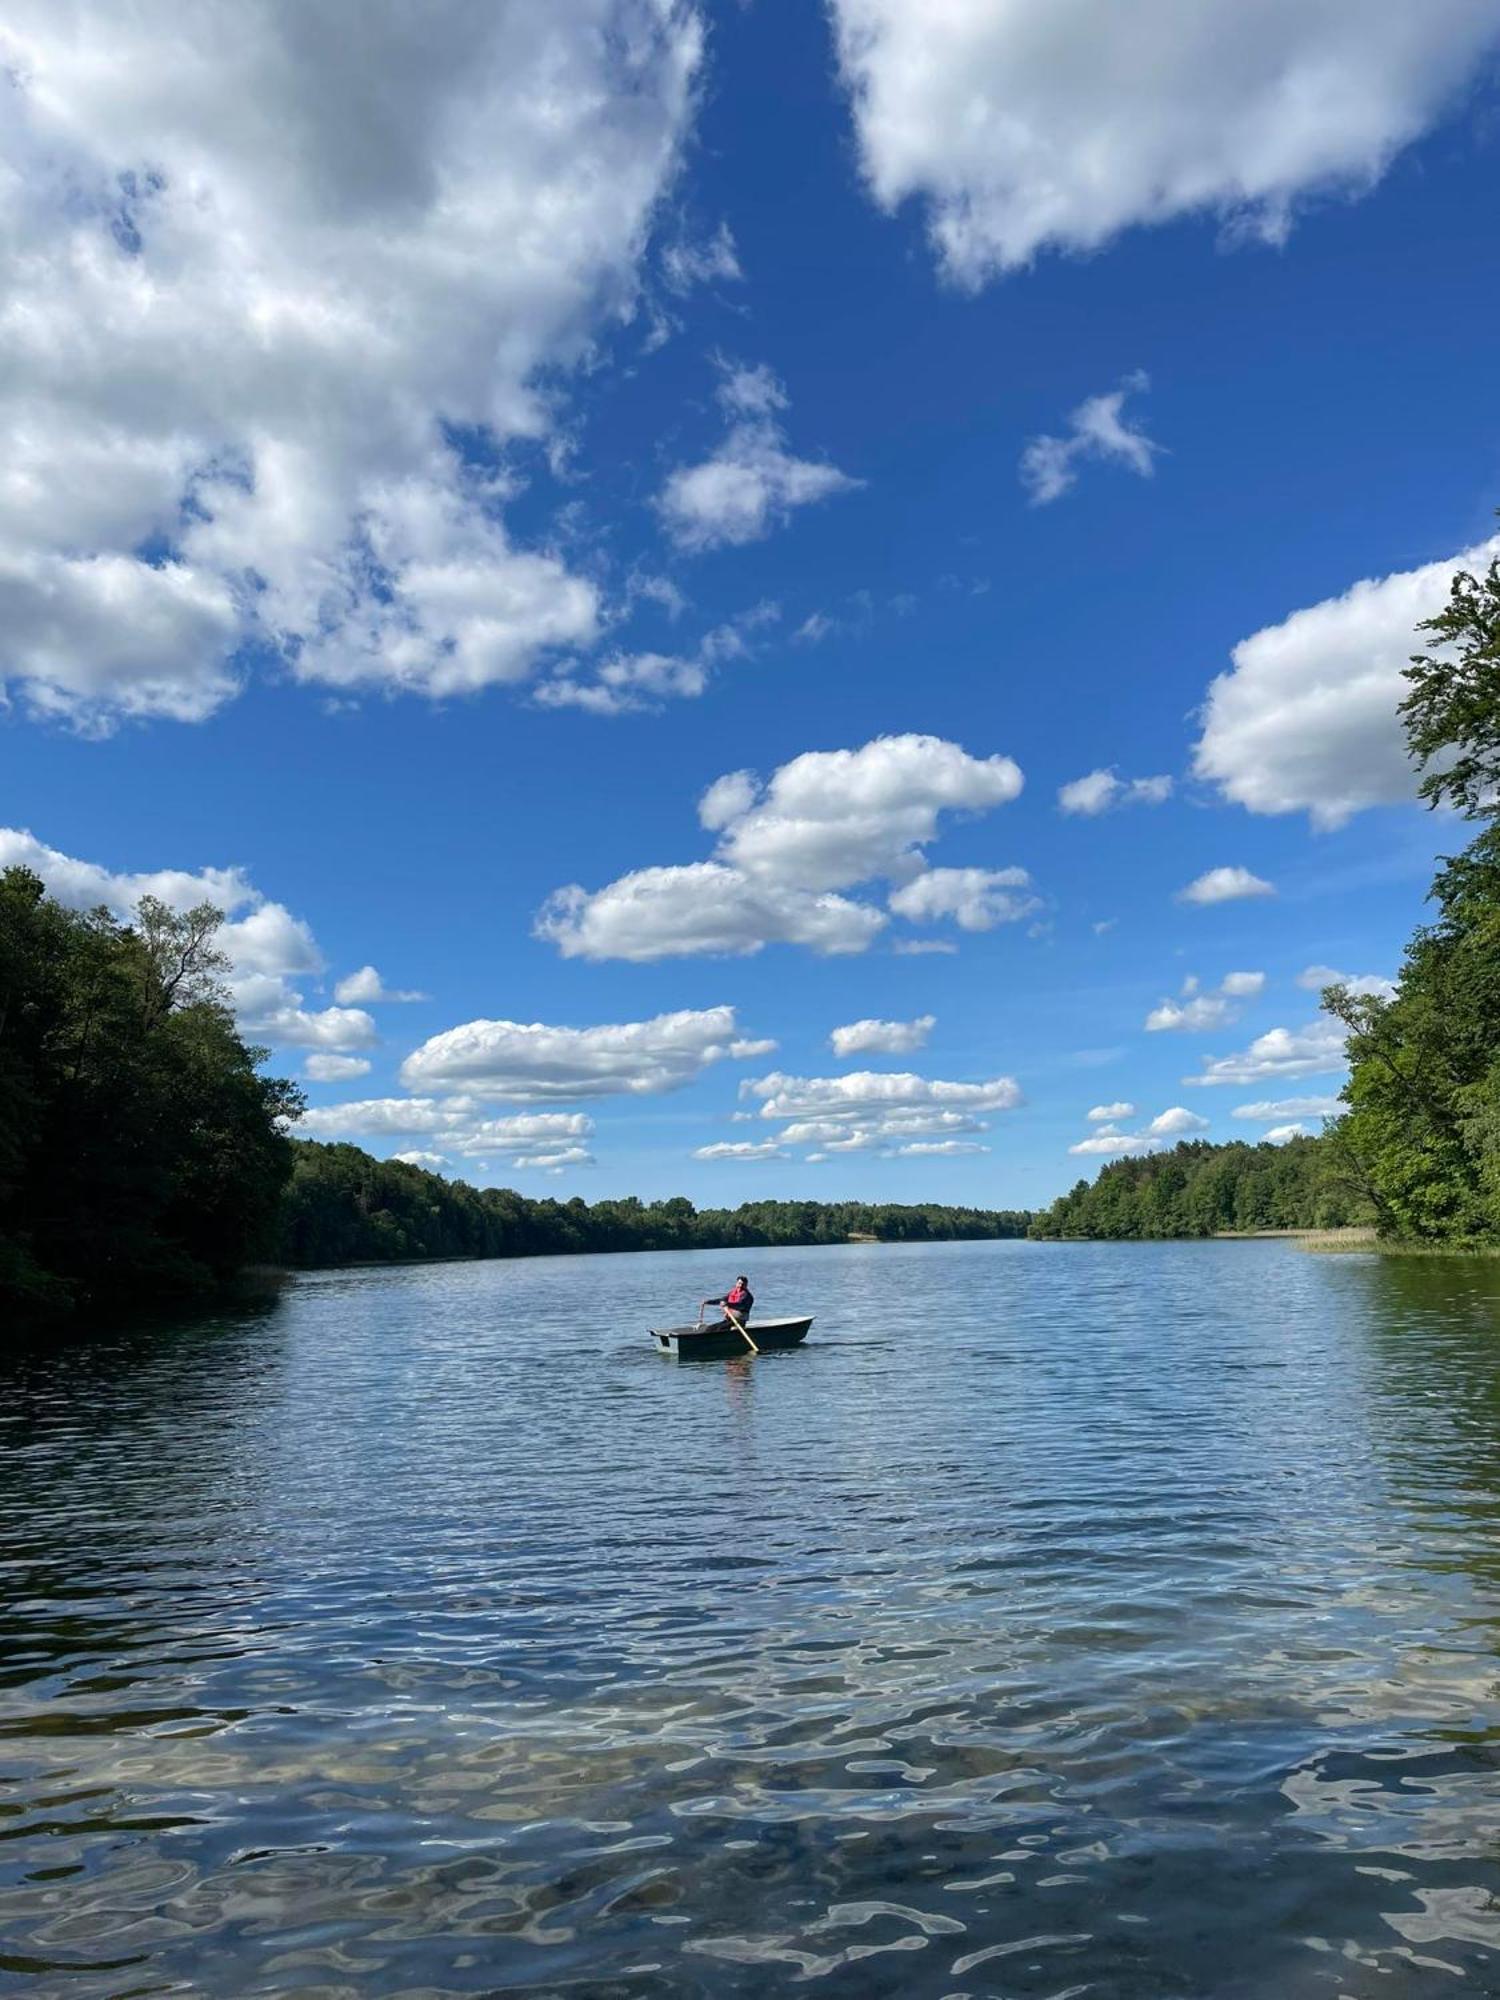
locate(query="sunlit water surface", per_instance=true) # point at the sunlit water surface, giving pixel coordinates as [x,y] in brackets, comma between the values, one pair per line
[1062,1620]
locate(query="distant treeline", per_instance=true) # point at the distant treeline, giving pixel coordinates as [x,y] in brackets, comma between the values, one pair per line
[1198,1189]
[342,1206]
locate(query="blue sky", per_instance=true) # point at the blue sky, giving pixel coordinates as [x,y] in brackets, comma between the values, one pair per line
[434,464]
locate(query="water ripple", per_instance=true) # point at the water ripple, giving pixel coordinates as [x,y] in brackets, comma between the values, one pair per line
[1063,1620]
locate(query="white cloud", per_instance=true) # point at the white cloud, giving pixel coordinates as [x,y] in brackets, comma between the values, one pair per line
[1172,1123]
[891,1038]
[1306,720]
[726,799]
[627,683]
[433,1162]
[1110,1143]
[260,275]
[710,261]
[1102,790]
[1205,1010]
[1023,125]
[977,899]
[327,1028]
[828,820]
[701,908]
[876,1092]
[1269,1112]
[832,818]
[533,1063]
[383,1118]
[549,1140]
[1243,985]
[1108,1113]
[1098,428]
[324,1068]
[1313,1050]
[923,947]
[1198,1011]
[1279,1134]
[1224,885]
[1368,985]
[740,1149]
[366,988]
[933,1149]
[752,482]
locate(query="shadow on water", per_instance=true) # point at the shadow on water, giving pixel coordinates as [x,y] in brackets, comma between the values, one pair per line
[1107,1620]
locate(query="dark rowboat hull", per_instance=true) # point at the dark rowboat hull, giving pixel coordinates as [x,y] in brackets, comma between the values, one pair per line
[716,1343]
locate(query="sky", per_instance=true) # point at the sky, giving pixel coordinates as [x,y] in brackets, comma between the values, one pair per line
[766,600]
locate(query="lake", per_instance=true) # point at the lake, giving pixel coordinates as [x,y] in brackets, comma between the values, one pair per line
[1118,1620]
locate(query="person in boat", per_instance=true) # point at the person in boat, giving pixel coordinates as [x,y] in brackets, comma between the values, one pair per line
[737,1303]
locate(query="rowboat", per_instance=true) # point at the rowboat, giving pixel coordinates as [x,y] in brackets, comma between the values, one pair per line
[715,1343]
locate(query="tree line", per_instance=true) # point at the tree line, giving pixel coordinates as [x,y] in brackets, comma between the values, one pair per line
[1201,1189]
[342,1206]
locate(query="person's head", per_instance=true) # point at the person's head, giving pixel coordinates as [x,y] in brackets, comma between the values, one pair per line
[742,1279]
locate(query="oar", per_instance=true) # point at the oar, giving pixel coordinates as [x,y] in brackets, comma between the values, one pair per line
[741,1327]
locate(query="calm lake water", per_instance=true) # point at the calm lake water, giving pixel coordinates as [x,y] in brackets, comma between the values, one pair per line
[1119,1620]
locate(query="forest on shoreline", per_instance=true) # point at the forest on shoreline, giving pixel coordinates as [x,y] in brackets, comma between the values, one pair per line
[342,1206]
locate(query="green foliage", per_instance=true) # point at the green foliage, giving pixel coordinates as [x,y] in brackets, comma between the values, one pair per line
[140,1153]
[344,1207]
[1423,1130]
[1452,714]
[1198,1189]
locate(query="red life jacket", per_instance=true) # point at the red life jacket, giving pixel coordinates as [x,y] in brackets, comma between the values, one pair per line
[738,1296]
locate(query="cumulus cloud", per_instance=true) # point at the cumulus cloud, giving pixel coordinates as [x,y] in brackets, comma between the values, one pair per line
[324,1068]
[886,1114]
[534,1063]
[1024,125]
[1280,1134]
[433,1162]
[1270,1111]
[890,1038]
[876,1091]
[833,818]
[548,1140]
[1313,1050]
[829,820]
[1306,719]
[1097,429]
[1108,1142]
[1197,1010]
[366,988]
[248,318]
[1368,985]
[703,907]
[977,899]
[752,482]
[923,947]
[1103,790]
[1224,885]
[1108,1113]
[267,947]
